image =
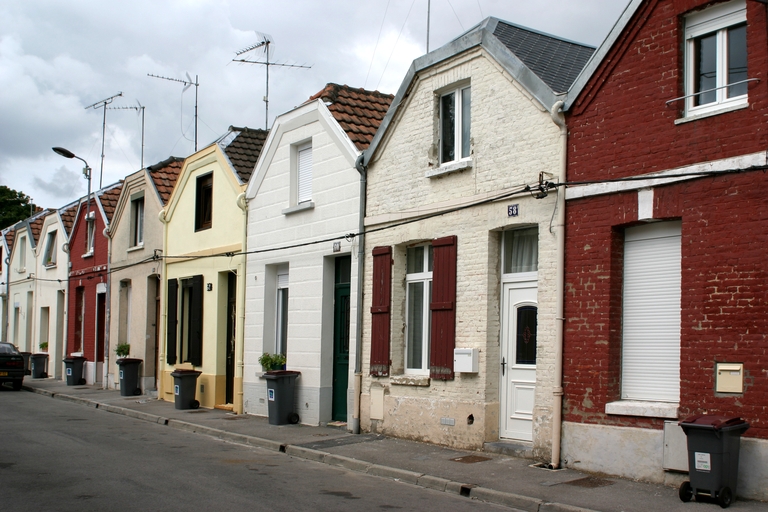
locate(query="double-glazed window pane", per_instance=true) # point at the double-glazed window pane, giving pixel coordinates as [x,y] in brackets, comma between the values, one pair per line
[448,127]
[419,294]
[737,60]
[521,250]
[455,117]
[466,98]
[525,350]
[415,324]
[705,71]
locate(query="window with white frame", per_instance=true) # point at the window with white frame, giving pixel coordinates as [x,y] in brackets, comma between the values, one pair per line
[22,254]
[281,318]
[90,224]
[49,257]
[650,356]
[304,173]
[716,58]
[455,124]
[137,222]
[418,283]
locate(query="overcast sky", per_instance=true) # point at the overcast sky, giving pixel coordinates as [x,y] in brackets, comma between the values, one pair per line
[59,57]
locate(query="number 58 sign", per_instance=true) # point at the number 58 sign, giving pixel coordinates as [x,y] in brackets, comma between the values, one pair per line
[513,210]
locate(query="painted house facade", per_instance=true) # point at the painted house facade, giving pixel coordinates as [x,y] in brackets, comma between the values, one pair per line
[462,246]
[666,234]
[136,249]
[51,283]
[87,322]
[204,269]
[6,244]
[303,199]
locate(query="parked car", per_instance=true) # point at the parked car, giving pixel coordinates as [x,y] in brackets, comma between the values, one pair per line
[11,365]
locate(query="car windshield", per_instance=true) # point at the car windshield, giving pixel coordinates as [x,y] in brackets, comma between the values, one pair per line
[7,348]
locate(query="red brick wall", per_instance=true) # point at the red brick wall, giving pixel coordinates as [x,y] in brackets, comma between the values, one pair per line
[621,127]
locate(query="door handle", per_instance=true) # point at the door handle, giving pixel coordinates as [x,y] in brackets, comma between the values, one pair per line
[503,366]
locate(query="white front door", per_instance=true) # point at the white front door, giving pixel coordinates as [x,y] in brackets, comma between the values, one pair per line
[518,359]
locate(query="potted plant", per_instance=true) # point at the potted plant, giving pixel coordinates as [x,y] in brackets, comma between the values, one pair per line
[271,362]
[123,349]
[44,346]
[129,370]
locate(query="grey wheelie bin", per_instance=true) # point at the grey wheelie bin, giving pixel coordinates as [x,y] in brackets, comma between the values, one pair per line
[184,387]
[281,385]
[39,366]
[713,457]
[26,356]
[74,370]
[129,376]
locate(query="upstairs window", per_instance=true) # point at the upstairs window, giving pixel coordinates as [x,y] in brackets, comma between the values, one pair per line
[716,58]
[455,125]
[304,173]
[90,224]
[137,222]
[49,257]
[204,202]
[22,253]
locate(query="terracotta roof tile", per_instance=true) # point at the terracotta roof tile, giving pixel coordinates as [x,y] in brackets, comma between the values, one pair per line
[36,224]
[359,112]
[108,197]
[10,235]
[244,150]
[164,175]
[68,216]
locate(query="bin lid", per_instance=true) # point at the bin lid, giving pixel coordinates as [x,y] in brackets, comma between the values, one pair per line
[184,373]
[127,361]
[713,421]
[276,374]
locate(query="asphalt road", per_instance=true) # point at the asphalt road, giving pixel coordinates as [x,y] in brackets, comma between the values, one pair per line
[59,456]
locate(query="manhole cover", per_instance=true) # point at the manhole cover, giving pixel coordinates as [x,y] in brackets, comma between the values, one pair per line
[589,482]
[470,459]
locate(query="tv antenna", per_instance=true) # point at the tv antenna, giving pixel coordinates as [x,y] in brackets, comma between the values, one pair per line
[263,44]
[103,104]
[187,84]
[139,108]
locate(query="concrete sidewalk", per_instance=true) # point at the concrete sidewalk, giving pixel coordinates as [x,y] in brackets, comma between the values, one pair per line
[485,476]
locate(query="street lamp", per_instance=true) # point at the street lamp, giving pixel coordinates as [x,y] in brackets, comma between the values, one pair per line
[86,173]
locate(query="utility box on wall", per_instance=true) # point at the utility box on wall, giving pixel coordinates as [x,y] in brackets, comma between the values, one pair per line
[729,378]
[465,360]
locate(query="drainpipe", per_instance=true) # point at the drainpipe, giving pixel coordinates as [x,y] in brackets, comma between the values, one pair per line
[7,296]
[162,331]
[557,408]
[358,382]
[242,203]
[108,314]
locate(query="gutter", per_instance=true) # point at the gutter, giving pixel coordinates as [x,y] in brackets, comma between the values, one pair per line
[242,203]
[557,391]
[108,305]
[362,168]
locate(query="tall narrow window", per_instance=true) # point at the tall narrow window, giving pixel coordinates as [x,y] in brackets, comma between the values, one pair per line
[455,125]
[418,282]
[22,253]
[137,222]
[716,57]
[281,320]
[90,224]
[49,257]
[204,202]
[304,173]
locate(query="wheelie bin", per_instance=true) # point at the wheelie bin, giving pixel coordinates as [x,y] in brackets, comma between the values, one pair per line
[184,387]
[281,386]
[26,355]
[713,457]
[129,376]
[74,370]
[39,366]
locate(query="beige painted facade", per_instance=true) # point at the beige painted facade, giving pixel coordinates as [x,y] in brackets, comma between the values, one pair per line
[136,278]
[190,252]
[21,291]
[513,139]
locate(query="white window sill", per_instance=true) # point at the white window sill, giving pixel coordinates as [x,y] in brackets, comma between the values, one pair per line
[135,248]
[409,380]
[449,168]
[21,270]
[642,408]
[702,115]
[309,205]
[49,265]
[87,255]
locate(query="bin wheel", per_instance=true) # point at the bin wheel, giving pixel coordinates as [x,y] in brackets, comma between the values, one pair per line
[293,418]
[137,392]
[81,382]
[725,497]
[194,404]
[17,384]
[43,375]
[685,492]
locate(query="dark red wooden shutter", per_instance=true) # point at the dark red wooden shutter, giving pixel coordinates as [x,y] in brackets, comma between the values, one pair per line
[171,327]
[196,322]
[380,311]
[443,307]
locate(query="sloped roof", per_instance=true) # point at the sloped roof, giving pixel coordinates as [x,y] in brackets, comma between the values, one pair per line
[164,175]
[36,224]
[108,197]
[10,235]
[67,214]
[243,151]
[556,61]
[359,112]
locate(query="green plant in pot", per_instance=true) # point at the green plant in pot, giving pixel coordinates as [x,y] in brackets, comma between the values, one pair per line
[123,349]
[44,346]
[271,362]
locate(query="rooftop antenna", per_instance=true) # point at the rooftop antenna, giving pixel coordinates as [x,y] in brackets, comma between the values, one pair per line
[99,104]
[139,108]
[187,84]
[429,8]
[265,41]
